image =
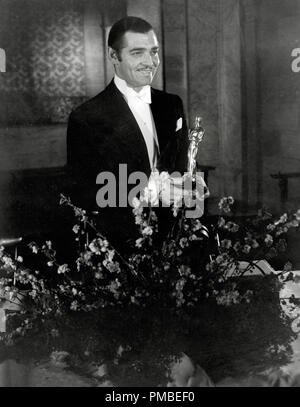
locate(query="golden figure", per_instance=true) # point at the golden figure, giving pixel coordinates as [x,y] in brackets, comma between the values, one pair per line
[195,136]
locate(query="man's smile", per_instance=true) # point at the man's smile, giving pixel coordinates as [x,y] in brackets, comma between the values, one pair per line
[149,73]
[139,59]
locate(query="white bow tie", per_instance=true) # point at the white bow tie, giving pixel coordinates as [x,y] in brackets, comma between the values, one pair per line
[144,94]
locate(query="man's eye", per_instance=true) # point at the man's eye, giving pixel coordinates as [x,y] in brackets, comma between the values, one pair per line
[137,53]
[155,52]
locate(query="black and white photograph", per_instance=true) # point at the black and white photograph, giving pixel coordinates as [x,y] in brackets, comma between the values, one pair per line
[149,196]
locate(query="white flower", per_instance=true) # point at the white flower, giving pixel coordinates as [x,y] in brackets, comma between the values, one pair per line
[76,228]
[104,245]
[268,240]
[175,210]
[197,225]
[138,218]
[228,298]
[8,262]
[225,203]
[111,254]
[94,247]
[164,176]
[219,259]
[183,242]
[133,300]
[74,306]
[34,249]
[151,194]
[138,242]
[49,244]
[232,227]
[147,231]
[221,222]
[87,256]
[136,203]
[64,268]
[282,219]
[246,248]
[33,293]
[155,185]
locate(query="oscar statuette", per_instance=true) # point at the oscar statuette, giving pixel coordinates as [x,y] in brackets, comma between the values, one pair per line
[196,134]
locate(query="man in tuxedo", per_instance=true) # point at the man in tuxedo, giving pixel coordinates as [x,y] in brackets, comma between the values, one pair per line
[129,123]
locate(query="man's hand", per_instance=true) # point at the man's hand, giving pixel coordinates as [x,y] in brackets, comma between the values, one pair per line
[182,190]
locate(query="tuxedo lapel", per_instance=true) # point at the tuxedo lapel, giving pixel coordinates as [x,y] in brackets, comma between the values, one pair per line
[129,136]
[165,122]
[158,108]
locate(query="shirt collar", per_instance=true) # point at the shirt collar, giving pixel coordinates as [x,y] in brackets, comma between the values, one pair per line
[144,94]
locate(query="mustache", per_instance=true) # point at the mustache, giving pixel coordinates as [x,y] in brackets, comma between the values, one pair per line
[147,68]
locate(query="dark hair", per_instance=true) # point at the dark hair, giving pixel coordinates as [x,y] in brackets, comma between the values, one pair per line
[119,29]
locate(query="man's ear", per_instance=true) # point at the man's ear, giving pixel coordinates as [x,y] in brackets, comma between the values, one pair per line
[113,56]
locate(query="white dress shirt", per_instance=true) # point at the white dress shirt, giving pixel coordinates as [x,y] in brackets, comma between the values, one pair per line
[139,104]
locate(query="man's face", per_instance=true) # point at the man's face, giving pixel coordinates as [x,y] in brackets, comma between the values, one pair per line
[138,59]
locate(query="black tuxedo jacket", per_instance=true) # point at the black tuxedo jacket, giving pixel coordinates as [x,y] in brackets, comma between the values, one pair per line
[103,133]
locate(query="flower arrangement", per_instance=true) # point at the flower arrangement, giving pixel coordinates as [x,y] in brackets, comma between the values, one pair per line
[194,262]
